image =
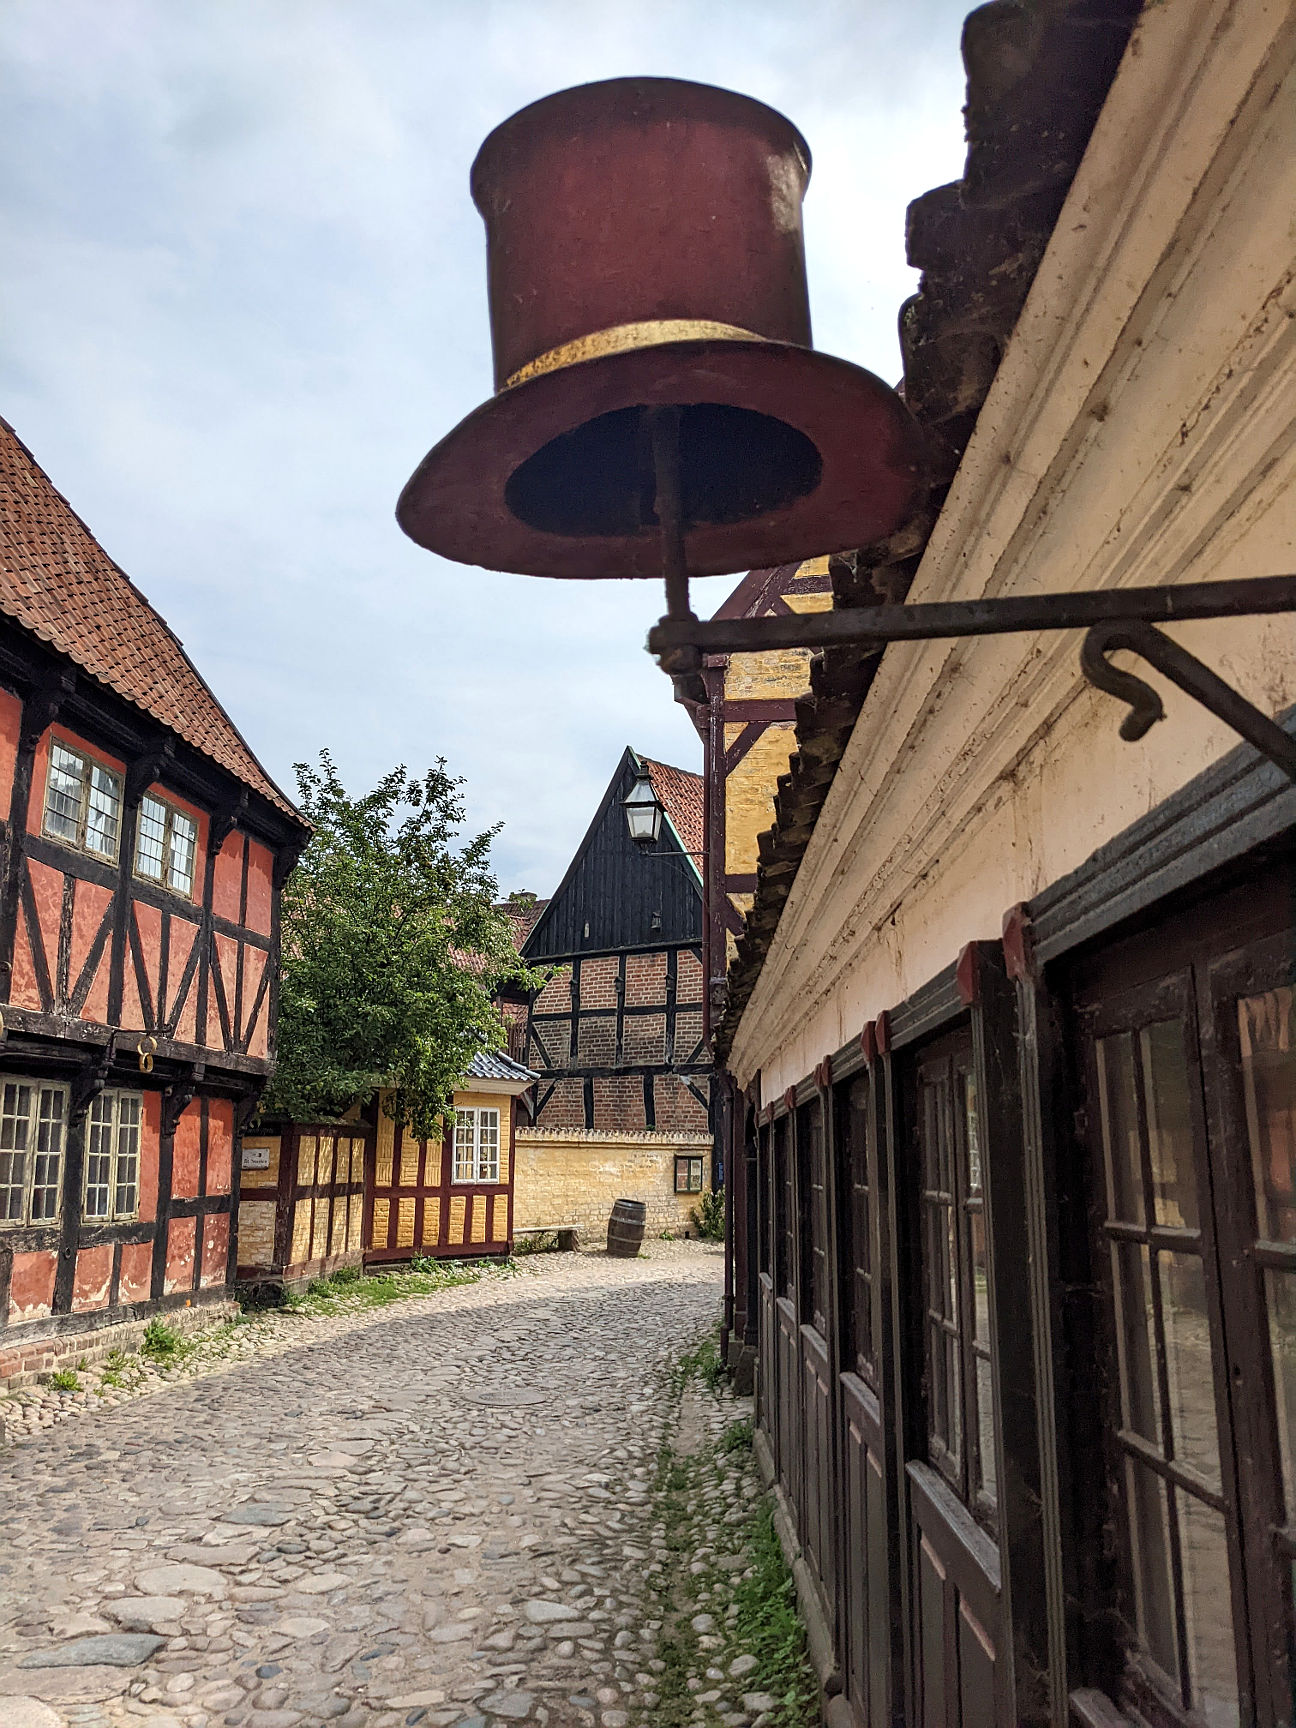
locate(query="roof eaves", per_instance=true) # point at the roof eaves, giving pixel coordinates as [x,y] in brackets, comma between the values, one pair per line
[1037,78]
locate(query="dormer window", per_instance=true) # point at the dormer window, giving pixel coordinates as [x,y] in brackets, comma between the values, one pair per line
[82,801]
[166,845]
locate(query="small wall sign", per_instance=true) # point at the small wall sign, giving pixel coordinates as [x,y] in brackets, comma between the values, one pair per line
[256,1157]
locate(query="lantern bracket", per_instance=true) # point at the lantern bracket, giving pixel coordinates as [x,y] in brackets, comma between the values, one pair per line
[1114,619]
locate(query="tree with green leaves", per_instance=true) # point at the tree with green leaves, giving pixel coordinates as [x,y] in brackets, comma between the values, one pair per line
[392,950]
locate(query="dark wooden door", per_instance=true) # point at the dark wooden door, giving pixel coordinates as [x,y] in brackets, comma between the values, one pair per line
[787,1375]
[955,1602]
[818,1506]
[865,1569]
[767,1356]
[1188,1044]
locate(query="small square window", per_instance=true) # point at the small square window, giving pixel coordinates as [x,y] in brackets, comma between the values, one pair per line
[82,801]
[166,842]
[688,1175]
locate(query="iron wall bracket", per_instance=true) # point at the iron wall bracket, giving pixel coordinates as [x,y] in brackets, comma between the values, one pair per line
[1122,618]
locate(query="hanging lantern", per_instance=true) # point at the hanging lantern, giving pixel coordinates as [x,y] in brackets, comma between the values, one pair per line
[653,369]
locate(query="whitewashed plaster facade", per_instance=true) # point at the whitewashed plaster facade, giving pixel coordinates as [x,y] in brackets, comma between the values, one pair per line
[1141,430]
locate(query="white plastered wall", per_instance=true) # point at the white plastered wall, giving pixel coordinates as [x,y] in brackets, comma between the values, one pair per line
[1141,430]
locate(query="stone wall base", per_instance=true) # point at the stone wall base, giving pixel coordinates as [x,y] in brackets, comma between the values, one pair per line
[27,1362]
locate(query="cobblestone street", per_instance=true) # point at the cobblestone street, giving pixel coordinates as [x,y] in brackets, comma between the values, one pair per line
[433,1514]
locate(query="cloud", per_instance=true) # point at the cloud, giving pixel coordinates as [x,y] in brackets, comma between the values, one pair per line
[244,293]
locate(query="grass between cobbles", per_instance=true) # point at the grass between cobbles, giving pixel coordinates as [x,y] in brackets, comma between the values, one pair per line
[754,1608]
[349,1288]
[165,1350]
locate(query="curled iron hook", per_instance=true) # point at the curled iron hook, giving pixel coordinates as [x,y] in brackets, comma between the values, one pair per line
[1185,670]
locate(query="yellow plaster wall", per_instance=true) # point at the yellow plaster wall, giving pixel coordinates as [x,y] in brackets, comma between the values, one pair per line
[750,789]
[570,1179]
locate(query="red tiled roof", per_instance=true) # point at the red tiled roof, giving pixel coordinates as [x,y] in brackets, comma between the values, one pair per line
[680,794]
[59,583]
[523,917]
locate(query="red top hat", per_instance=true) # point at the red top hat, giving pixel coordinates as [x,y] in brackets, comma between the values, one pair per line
[645,251]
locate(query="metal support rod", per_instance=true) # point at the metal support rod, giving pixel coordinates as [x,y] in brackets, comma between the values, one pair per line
[1185,670]
[872,627]
[664,425]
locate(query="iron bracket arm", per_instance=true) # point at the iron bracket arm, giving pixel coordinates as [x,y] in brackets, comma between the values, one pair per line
[1121,618]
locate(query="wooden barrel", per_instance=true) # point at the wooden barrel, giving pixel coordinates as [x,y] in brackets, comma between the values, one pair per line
[626,1228]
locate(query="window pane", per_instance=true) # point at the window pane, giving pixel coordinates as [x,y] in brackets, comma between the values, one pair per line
[1150,1558]
[15,1115]
[464,1146]
[1166,1092]
[1212,1664]
[49,1154]
[985,1427]
[184,839]
[1188,1361]
[63,793]
[980,1277]
[98,1163]
[1120,1134]
[1134,1340]
[126,1177]
[1280,1294]
[102,811]
[488,1145]
[970,1131]
[150,844]
[1268,1039]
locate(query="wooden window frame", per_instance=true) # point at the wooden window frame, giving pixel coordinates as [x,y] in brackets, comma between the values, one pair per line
[1202,962]
[971,1476]
[476,1179]
[689,1159]
[853,1103]
[88,763]
[30,1154]
[813,1255]
[170,812]
[119,1153]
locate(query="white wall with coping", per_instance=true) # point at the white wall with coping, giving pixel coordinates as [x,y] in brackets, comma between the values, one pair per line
[1141,431]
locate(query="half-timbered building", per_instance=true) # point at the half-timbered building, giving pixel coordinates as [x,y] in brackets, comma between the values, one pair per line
[1010,1020]
[144,848]
[623,1098]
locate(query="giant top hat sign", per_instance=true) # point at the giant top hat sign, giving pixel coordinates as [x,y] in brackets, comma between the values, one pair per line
[645,253]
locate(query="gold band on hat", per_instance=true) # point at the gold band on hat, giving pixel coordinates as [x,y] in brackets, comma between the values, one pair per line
[622,337]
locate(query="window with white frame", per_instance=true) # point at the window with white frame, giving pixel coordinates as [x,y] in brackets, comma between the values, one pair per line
[166,842]
[33,1119]
[476,1145]
[82,801]
[112,1155]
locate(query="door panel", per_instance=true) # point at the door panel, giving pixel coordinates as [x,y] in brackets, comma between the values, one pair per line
[960,1682]
[866,1625]
[788,1381]
[819,1502]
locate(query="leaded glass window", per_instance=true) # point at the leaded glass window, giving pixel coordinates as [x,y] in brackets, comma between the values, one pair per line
[82,801]
[166,843]
[32,1127]
[112,1155]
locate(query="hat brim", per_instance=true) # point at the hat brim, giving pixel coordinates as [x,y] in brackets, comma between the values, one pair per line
[870,448]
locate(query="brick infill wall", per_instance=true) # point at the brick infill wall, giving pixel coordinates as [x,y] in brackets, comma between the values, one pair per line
[569,1178]
[25,1364]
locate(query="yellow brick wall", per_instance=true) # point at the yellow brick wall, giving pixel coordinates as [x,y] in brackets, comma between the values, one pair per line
[571,1178]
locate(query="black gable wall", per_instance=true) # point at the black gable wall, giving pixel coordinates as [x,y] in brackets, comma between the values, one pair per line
[618,895]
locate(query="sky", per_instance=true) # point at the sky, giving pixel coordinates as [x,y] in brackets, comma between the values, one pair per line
[242,292]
